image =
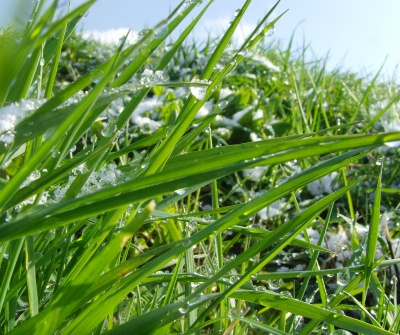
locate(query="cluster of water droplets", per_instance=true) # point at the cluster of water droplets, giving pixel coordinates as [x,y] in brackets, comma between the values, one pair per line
[13,114]
[150,78]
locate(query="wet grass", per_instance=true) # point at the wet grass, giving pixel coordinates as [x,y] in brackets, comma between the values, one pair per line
[193,188]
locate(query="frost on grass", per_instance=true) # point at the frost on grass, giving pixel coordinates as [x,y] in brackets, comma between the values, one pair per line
[13,114]
[107,176]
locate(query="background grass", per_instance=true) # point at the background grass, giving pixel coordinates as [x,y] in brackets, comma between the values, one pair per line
[192,188]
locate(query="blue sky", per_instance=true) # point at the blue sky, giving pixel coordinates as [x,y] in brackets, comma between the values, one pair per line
[358,34]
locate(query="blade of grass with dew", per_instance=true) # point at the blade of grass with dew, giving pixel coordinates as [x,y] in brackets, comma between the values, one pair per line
[276,301]
[71,294]
[373,234]
[32,43]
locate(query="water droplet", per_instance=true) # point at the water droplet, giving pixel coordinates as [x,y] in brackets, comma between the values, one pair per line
[340,332]
[243,52]
[271,31]
[169,47]
[222,104]
[146,51]
[144,32]
[110,128]
[207,218]
[274,284]
[286,294]
[235,312]
[236,13]
[393,280]
[56,153]
[5,256]
[41,62]
[162,31]
[261,288]
[186,243]
[343,278]
[73,149]
[17,208]
[45,171]
[330,297]
[379,161]
[184,309]
[143,166]
[95,75]
[192,224]
[234,279]
[203,270]
[180,191]
[257,226]
[93,139]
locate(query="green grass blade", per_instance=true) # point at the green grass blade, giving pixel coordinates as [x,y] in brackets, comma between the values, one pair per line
[310,311]
[373,234]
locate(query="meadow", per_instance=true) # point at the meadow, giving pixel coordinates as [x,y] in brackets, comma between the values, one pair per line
[182,187]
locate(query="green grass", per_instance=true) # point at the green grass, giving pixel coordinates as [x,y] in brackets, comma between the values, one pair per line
[273,210]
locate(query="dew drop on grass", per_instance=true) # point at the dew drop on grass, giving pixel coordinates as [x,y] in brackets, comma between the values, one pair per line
[55,153]
[192,224]
[144,32]
[235,312]
[222,104]
[343,278]
[41,62]
[271,31]
[146,51]
[203,270]
[393,280]
[379,162]
[143,166]
[73,149]
[234,279]
[207,218]
[186,243]
[168,47]
[243,52]
[330,297]
[286,294]
[274,284]
[162,31]
[236,13]
[261,288]
[340,332]
[180,191]
[184,309]
[95,75]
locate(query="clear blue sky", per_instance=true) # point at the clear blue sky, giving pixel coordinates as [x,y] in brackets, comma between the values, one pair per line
[358,34]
